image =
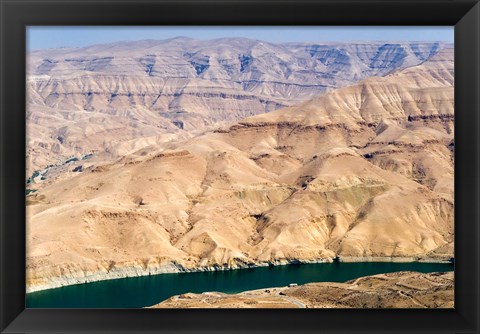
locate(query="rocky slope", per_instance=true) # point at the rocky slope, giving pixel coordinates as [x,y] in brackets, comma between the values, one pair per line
[394,290]
[99,97]
[363,172]
[186,75]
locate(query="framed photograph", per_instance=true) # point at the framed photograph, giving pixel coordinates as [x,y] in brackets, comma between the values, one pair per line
[227,166]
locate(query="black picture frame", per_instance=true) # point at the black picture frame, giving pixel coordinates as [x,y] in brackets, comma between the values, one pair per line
[17,14]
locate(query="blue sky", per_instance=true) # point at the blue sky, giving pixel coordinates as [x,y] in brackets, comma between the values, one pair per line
[54,37]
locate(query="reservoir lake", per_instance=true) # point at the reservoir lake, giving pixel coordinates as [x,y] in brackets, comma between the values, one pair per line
[144,291]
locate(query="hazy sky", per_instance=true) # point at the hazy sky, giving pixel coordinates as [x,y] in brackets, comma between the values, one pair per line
[54,37]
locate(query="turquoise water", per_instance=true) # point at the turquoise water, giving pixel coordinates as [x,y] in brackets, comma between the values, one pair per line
[149,290]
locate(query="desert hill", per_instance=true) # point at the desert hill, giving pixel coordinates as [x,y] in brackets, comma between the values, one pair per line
[161,75]
[103,97]
[363,172]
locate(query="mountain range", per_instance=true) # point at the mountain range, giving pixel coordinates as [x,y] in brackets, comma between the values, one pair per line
[99,98]
[362,172]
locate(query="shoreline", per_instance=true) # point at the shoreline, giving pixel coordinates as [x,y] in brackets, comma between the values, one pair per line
[374,291]
[395,259]
[132,272]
